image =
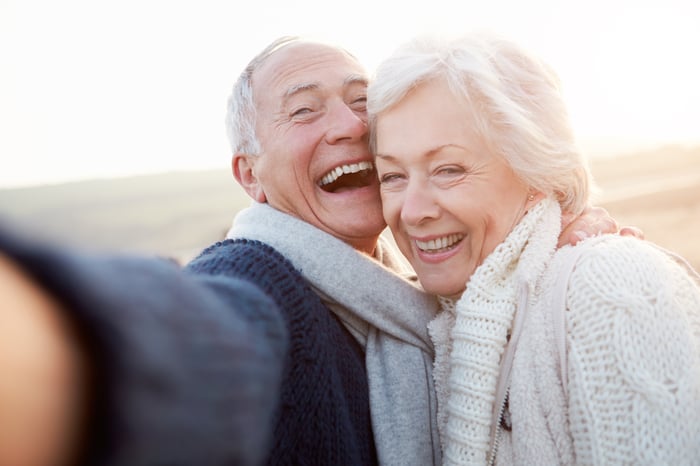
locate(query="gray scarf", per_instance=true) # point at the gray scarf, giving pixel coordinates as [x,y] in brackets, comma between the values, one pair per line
[385,312]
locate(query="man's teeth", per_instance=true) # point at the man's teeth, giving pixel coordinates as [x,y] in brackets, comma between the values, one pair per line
[438,244]
[344,170]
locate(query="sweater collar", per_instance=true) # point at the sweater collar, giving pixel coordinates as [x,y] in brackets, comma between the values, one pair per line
[483,320]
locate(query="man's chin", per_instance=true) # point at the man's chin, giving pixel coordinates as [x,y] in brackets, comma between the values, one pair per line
[360,229]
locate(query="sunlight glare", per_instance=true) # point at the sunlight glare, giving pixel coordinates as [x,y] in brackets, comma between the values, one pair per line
[648,72]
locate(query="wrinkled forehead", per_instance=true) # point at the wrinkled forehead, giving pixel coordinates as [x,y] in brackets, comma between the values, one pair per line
[302,63]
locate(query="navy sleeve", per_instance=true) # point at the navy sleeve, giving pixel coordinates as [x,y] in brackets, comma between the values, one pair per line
[186,367]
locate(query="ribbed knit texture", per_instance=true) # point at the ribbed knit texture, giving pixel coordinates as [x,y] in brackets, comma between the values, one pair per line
[634,352]
[484,316]
[633,337]
[323,417]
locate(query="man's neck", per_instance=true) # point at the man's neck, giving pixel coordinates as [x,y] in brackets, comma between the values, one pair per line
[366,246]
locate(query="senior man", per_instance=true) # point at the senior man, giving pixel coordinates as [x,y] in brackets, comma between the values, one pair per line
[193,367]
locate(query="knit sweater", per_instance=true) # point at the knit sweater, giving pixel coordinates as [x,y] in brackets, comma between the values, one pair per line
[387,314]
[323,416]
[633,337]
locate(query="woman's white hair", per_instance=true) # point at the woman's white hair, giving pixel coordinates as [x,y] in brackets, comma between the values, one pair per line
[515,103]
[240,110]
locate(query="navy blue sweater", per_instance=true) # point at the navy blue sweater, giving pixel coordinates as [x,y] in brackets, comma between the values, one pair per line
[323,417]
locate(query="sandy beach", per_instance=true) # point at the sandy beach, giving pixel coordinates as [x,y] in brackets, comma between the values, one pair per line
[657,191]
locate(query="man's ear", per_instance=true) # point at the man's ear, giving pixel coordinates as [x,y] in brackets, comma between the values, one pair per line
[242,166]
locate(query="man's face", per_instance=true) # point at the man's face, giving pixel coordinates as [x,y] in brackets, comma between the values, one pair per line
[312,127]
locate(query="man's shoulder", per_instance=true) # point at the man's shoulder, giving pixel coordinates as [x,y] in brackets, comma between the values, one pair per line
[254,261]
[237,253]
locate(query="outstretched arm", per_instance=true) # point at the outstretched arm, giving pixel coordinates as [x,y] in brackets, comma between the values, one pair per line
[42,375]
[179,368]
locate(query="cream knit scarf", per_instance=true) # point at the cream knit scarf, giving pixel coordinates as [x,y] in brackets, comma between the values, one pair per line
[385,312]
[471,336]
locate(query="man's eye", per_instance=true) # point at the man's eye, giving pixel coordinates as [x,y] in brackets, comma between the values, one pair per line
[360,102]
[301,111]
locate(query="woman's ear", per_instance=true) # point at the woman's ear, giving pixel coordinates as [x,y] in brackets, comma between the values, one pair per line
[242,167]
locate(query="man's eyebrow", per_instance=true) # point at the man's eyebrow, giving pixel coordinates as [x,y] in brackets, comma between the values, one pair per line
[300,88]
[356,79]
[312,86]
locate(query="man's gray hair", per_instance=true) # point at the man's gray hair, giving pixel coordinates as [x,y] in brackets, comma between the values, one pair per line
[240,111]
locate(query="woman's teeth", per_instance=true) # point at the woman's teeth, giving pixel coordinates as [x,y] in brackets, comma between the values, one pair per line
[439,244]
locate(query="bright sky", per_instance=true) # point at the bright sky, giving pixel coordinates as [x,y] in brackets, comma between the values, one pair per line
[91,88]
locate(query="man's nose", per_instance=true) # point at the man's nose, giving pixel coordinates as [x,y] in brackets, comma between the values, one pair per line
[419,203]
[345,124]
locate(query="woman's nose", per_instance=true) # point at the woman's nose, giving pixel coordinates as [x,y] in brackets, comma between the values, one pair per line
[419,203]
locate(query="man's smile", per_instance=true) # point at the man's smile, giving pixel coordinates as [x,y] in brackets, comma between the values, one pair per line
[354,175]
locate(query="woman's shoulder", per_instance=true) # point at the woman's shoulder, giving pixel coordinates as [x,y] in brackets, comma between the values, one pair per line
[635,292]
[622,263]
[633,339]
[616,276]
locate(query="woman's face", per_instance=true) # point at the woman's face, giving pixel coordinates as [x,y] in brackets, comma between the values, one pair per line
[448,201]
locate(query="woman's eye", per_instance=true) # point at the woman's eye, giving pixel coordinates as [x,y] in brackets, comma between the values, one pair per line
[389,177]
[450,170]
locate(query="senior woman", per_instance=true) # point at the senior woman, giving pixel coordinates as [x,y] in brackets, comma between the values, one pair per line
[477,161]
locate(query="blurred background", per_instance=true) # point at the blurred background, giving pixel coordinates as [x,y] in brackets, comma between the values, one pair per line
[111,113]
